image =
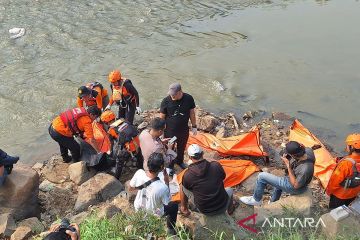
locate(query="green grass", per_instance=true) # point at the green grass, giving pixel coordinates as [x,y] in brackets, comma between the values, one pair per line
[141,225]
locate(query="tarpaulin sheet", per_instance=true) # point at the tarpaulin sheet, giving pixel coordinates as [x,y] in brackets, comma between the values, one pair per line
[236,172]
[325,162]
[244,144]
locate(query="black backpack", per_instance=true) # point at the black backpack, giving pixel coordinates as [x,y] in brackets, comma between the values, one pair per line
[352,181]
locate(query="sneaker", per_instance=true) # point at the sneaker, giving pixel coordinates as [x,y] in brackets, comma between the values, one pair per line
[183,165]
[249,200]
[66,159]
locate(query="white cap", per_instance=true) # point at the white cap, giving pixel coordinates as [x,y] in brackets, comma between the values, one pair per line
[194,149]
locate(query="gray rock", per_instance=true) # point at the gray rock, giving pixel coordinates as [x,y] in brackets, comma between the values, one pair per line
[34,224]
[97,189]
[46,186]
[21,233]
[347,228]
[301,203]
[20,191]
[79,173]
[108,211]
[79,218]
[38,166]
[7,225]
[249,183]
[207,123]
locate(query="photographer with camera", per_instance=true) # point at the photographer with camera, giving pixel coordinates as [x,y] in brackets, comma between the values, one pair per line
[299,162]
[64,231]
[6,165]
[150,142]
[153,194]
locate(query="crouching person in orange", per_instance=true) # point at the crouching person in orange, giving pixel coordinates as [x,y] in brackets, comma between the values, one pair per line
[73,122]
[125,95]
[124,134]
[93,94]
[344,184]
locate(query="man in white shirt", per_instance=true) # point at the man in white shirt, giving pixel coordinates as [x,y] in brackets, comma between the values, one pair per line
[150,142]
[154,195]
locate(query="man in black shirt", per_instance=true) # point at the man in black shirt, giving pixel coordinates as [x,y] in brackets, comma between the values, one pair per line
[177,109]
[203,181]
[299,163]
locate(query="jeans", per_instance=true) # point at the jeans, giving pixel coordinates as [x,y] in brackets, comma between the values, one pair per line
[171,211]
[280,184]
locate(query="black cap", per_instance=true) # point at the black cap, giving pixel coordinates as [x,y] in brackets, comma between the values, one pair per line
[295,148]
[83,91]
[155,162]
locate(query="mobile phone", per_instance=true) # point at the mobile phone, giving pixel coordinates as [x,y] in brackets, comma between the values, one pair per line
[172,140]
[287,156]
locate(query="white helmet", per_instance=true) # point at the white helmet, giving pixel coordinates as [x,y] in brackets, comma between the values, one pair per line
[194,150]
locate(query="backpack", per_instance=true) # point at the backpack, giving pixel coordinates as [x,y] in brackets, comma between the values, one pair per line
[352,181]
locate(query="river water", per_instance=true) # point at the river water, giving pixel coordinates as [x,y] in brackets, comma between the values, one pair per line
[299,57]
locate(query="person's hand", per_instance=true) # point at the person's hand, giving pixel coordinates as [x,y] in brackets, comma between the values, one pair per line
[194,131]
[74,235]
[54,228]
[138,110]
[165,140]
[108,107]
[286,161]
[171,145]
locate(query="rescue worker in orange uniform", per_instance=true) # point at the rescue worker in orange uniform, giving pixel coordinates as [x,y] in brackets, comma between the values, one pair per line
[344,184]
[73,122]
[125,95]
[93,94]
[127,132]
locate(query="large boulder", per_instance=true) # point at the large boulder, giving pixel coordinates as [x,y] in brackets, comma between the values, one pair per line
[108,211]
[204,227]
[207,123]
[56,171]
[19,194]
[96,190]
[301,203]
[21,233]
[249,183]
[346,227]
[80,173]
[7,225]
[33,223]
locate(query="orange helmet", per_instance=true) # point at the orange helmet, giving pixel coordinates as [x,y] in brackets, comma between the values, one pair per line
[353,140]
[107,116]
[114,76]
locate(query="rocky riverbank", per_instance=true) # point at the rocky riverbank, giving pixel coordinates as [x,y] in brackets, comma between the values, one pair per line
[53,189]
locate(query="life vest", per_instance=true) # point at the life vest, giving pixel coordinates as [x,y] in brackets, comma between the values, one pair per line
[352,181]
[70,118]
[127,135]
[120,93]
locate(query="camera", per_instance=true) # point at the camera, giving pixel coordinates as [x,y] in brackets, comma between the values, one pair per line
[65,225]
[284,154]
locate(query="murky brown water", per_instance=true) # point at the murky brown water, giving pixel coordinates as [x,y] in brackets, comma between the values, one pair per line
[300,57]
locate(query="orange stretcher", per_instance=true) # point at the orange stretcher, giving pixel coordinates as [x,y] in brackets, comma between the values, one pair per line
[101,138]
[325,163]
[236,172]
[244,144]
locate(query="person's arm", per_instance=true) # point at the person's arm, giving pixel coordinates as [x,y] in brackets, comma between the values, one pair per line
[132,183]
[79,102]
[292,176]
[193,118]
[163,109]
[132,90]
[99,102]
